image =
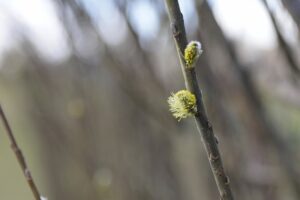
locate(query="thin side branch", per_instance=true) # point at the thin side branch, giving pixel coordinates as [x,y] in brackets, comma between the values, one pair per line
[203,124]
[19,156]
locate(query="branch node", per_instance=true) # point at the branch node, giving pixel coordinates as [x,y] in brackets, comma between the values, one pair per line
[213,158]
[176,32]
[27,174]
[227,180]
[216,139]
[209,126]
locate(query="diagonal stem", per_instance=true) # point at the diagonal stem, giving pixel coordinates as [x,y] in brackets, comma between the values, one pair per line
[203,124]
[19,156]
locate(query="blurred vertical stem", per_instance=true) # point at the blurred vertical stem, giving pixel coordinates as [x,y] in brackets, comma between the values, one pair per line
[19,156]
[284,46]
[203,124]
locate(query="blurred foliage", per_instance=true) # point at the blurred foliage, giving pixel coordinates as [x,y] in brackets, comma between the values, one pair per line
[92,117]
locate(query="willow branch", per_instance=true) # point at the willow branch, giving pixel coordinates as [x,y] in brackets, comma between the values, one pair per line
[19,156]
[203,124]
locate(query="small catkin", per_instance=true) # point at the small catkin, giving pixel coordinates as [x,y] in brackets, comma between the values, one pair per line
[191,54]
[182,104]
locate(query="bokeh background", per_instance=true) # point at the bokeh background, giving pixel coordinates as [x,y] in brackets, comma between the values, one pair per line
[84,85]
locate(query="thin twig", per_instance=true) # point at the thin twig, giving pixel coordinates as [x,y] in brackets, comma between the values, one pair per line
[203,124]
[19,156]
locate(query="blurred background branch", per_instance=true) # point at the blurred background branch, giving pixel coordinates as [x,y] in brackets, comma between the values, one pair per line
[86,84]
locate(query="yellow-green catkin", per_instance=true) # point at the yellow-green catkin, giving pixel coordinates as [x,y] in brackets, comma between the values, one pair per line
[191,54]
[182,104]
